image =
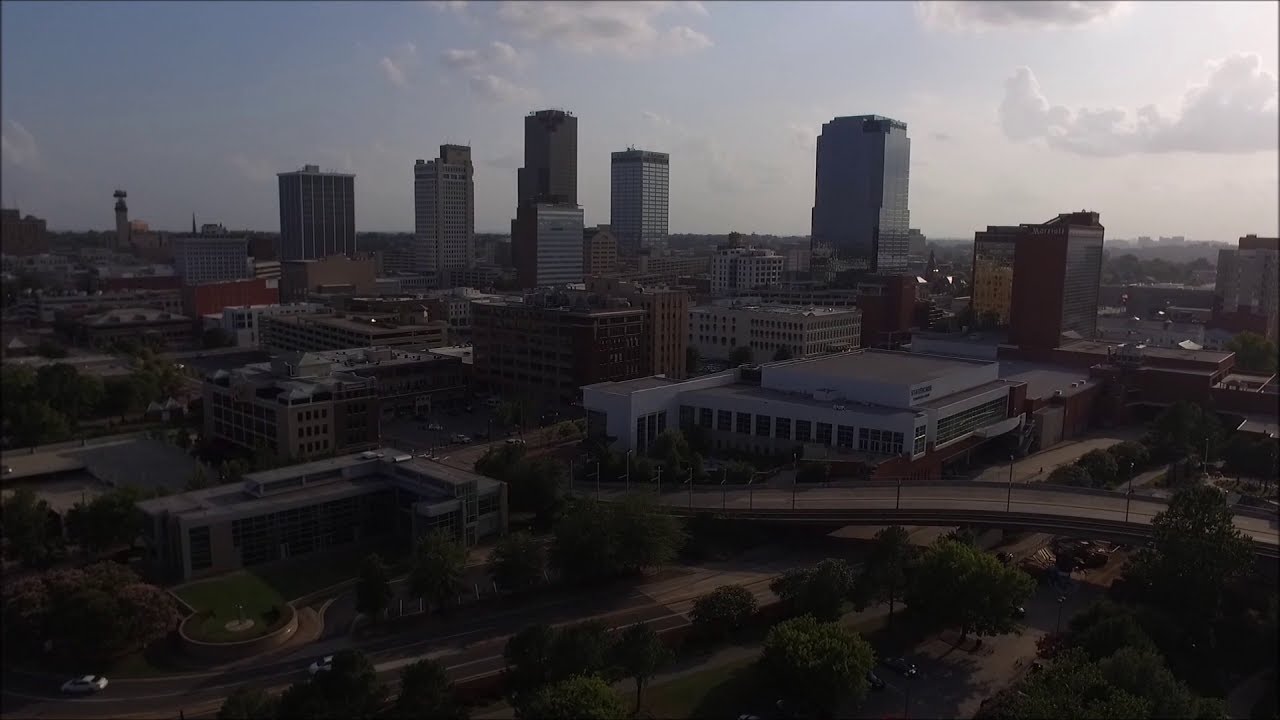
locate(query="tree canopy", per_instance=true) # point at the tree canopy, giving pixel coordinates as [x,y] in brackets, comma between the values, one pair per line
[723,611]
[438,565]
[593,542]
[575,698]
[1254,352]
[819,590]
[819,665]
[958,584]
[884,575]
[373,587]
[518,562]
[425,692]
[350,689]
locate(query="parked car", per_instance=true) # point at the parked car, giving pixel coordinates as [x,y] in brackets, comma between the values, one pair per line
[324,664]
[874,680]
[85,685]
[435,426]
[1019,612]
[459,438]
[1004,558]
[900,665]
[514,441]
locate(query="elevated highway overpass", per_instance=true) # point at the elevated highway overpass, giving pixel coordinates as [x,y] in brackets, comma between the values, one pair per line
[1100,514]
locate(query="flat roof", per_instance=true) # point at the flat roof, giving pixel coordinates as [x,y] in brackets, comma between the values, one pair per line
[1043,381]
[778,309]
[626,387]
[1098,347]
[767,397]
[885,366]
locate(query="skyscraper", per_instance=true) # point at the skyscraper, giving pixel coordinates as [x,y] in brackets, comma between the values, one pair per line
[639,200]
[444,215]
[317,214]
[123,231]
[1057,266]
[550,172]
[1246,297]
[860,215]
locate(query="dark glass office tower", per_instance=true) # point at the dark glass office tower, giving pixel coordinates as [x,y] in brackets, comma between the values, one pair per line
[550,172]
[639,200]
[317,214]
[860,216]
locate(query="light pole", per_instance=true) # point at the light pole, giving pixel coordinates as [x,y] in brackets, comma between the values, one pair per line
[597,480]
[690,487]
[1008,504]
[628,471]
[1057,627]
[1128,495]
[897,503]
[795,477]
[724,478]
[751,492]
[659,476]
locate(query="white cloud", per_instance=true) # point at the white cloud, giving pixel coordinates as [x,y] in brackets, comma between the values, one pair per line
[254,170]
[498,54]
[451,6]
[656,119]
[1234,111]
[18,146]
[626,29]
[990,14]
[395,66]
[497,89]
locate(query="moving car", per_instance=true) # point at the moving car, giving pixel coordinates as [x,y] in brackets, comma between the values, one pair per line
[515,441]
[900,665]
[874,680]
[84,685]
[324,664]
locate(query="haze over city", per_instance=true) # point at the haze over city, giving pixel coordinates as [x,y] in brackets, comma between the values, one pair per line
[1160,116]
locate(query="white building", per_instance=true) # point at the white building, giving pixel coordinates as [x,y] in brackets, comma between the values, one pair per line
[741,268]
[241,323]
[211,259]
[715,330]
[639,199]
[866,405]
[444,212]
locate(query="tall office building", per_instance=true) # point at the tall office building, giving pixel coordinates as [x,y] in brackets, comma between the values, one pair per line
[1245,295]
[639,200]
[860,215]
[123,231]
[444,216]
[317,214]
[991,293]
[1057,267]
[550,172]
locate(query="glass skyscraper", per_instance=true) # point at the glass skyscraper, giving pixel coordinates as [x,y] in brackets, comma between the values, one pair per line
[639,200]
[860,215]
[317,214]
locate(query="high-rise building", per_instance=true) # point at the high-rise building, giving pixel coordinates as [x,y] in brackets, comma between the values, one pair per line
[550,172]
[123,233]
[317,214]
[991,292]
[1057,266]
[444,215]
[860,215]
[639,200]
[917,243]
[547,244]
[1245,291]
[599,251]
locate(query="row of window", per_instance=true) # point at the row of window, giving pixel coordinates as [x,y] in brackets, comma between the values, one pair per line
[869,440]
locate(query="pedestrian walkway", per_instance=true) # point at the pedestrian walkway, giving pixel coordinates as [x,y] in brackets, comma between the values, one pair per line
[1243,697]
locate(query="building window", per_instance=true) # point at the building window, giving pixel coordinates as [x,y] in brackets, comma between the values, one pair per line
[762,425]
[686,416]
[724,420]
[804,429]
[704,417]
[844,436]
[921,432]
[824,434]
[744,423]
[489,504]
[201,549]
[782,428]
[880,442]
[966,421]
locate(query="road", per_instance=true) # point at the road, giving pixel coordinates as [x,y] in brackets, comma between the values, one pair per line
[1037,467]
[469,644]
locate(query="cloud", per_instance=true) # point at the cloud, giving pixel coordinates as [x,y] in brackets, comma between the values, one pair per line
[496,55]
[18,146]
[450,6]
[941,137]
[395,65]
[1234,111]
[655,118]
[625,29]
[993,14]
[253,170]
[496,89]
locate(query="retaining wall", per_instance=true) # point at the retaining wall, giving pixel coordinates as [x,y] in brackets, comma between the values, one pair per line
[222,652]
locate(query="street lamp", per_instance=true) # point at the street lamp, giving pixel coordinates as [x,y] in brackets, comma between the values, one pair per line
[1128,496]
[629,471]
[1057,627]
[690,487]
[897,503]
[795,477]
[1008,504]
[724,478]
[906,697]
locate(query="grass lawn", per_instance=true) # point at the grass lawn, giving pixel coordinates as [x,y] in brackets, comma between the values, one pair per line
[725,691]
[294,578]
[216,600]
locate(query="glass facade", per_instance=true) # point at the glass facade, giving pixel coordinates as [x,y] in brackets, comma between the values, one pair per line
[860,213]
[317,214]
[639,200]
[298,531]
[992,290]
[1080,282]
[966,421]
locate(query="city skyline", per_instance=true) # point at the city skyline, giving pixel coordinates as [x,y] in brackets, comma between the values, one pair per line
[1016,110]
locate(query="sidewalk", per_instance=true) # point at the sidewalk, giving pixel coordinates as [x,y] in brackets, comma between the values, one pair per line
[1243,697]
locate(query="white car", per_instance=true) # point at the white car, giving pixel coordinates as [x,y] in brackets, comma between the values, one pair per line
[86,684]
[459,438]
[324,664]
[435,426]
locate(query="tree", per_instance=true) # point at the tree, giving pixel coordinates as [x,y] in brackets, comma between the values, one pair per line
[819,590]
[957,584]
[247,704]
[425,692]
[1184,429]
[350,689]
[1101,467]
[692,359]
[537,486]
[1131,457]
[373,588]
[581,649]
[38,424]
[106,521]
[1074,475]
[740,355]
[1072,687]
[199,479]
[528,659]
[518,562]
[818,664]
[593,542]
[438,564]
[575,698]
[1144,674]
[782,353]
[25,525]
[146,612]
[1196,551]
[640,654]
[645,538]
[722,611]
[884,576]
[1253,352]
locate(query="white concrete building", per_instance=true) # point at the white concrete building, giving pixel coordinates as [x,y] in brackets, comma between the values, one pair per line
[241,323]
[715,330]
[211,259]
[558,251]
[743,268]
[866,405]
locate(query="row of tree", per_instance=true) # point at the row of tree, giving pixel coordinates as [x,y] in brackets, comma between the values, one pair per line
[34,534]
[1104,468]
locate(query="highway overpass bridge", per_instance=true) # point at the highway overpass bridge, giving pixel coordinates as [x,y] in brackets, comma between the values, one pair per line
[1058,509]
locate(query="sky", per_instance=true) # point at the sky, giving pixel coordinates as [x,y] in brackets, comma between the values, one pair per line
[1160,116]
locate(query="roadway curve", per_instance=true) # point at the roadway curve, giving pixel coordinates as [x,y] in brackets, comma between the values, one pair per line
[1054,508]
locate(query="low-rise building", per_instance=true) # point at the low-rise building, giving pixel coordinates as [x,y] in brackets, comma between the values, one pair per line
[305,509]
[666,325]
[200,259]
[300,279]
[212,297]
[50,308]
[599,251]
[22,235]
[717,329]
[737,269]
[241,323]
[144,325]
[336,331]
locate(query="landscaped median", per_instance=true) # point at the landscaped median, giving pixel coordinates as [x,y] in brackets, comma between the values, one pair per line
[231,608]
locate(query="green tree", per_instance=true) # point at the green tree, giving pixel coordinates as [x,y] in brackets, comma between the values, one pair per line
[1074,475]
[575,698]
[1101,467]
[425,692]
[1183,430]
[584,545]
[782,353]
[438,565]
[1072,687]
[247,703]
[518,562]
[349,690]
[819,590]
[1196,551]
[373,588]
[537,486]
[1143,673]
[723,611]
[528,662]
[581,649]
[645,537]
[957,584]
[1131,458]
[740,355]
[884,575]
[38,424]
[199,479]
[26,527]
[639,653]
[106,521]
[821,665]
[1254,352]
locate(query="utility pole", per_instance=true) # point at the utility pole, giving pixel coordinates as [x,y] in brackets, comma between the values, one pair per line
[628,471]
[795,477]
[659,476]
[1008,504]
[597,480]
[724,478]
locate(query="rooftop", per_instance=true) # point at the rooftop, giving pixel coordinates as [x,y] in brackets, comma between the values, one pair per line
[884,366]
[626,387]
[133,315]
[1098,347]
[793,310]
[1043,381]
[369,323]
[765,398]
